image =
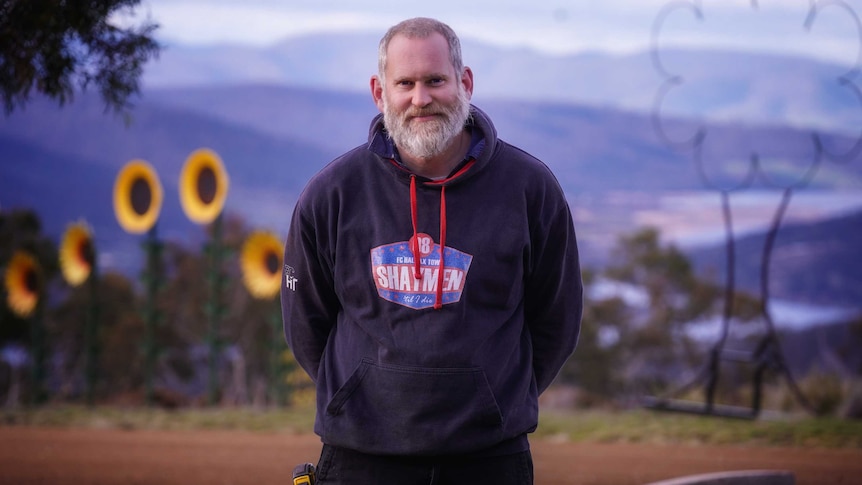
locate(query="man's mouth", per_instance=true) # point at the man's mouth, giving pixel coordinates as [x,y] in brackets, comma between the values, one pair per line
[424,116]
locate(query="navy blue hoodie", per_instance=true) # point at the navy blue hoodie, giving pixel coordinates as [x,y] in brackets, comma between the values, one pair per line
[418,352]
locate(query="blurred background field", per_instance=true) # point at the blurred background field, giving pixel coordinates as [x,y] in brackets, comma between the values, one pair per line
[583,426]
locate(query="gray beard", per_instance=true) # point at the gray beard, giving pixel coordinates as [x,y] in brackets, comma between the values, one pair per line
[431,138]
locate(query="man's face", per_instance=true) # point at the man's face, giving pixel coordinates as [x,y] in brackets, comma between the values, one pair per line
[423,102]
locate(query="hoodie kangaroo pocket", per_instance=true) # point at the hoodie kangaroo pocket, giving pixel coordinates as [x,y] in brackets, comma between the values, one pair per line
[389,409]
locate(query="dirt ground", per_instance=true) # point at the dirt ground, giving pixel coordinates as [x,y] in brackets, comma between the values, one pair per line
[111,456]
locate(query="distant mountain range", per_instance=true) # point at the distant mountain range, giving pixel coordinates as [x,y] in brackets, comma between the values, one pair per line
[272,136]
[717,85]
[814,263]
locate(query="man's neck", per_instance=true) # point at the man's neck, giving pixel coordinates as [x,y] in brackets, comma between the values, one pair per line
[440,166]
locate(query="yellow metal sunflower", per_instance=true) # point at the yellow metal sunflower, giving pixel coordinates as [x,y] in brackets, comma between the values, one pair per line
[203,186]
[137,197]
[261,261]
[77,254]
[23,283]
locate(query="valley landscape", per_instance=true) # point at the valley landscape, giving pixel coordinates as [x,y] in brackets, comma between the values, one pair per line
[612,159]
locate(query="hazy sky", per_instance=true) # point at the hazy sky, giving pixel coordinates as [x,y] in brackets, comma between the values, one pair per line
[557,26]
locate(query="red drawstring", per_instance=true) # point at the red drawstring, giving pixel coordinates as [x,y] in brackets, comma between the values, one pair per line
[438,301]
[414,243]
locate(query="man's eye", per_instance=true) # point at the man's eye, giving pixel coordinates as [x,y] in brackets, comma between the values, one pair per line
[435,82]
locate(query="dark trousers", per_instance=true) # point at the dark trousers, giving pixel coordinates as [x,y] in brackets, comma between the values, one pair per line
[340,466]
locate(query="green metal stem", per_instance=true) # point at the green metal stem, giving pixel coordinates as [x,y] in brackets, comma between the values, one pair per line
[152,280]
[215,308]
[278,390]
[91,339]
[37,341]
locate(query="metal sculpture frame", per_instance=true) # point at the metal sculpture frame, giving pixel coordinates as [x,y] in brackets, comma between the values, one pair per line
[767,355]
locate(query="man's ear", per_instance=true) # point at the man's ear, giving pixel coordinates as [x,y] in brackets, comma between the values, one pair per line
[377,92]
[467,80]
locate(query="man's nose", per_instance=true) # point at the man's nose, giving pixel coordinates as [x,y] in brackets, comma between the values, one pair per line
[421,96]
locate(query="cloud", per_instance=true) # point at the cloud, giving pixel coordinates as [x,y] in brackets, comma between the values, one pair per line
[619,26]
[767,26]
[253,24]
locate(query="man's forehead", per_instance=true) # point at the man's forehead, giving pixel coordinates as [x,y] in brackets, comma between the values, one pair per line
[434,39]
[418,53]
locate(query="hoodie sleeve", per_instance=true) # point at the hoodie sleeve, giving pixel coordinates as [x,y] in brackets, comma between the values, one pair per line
[309,305]
[554,292]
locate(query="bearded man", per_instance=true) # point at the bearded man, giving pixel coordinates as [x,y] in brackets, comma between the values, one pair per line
[432,286]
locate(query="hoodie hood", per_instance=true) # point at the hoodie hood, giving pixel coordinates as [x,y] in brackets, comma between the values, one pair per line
[482,147]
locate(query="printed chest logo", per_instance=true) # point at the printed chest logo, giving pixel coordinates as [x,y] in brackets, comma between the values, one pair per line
[393,270]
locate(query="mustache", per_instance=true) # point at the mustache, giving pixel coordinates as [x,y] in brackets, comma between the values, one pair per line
[427,111]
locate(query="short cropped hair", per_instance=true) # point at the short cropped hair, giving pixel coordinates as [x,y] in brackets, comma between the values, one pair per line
[421,28]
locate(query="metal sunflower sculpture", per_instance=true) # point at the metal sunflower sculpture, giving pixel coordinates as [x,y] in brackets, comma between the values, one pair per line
[77,254]
[203,186]
[203,191]
[24,286]
[138,197]
[261,262]
[23,283]
[78,265]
